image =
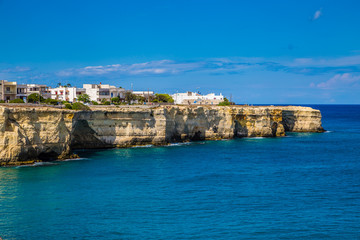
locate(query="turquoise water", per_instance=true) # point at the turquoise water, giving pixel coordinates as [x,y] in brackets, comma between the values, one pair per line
[304,186]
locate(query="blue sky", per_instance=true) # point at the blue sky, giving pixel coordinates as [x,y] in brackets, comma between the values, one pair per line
[257,51]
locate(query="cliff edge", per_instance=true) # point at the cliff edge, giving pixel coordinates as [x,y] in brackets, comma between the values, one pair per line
[29,134]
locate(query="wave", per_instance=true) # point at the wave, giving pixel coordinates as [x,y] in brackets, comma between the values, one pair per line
[38,164]
[74,159]
[178,144]
[143,146]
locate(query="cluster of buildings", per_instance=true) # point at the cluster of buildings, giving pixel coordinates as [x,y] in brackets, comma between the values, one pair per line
[12,90]
[97,92]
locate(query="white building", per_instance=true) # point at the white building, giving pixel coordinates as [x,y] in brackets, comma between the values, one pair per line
[98,92]
[69,94]
[41,89]
[144,93]
[24,90]
[196,98]
[7,90]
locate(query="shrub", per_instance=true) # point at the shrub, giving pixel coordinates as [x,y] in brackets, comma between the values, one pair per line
[94,103]
[35,97]
[80,106]
[2,101]
[51,101]
[68,106]
[18,100]
[115,99]
[64,102]
[105,103]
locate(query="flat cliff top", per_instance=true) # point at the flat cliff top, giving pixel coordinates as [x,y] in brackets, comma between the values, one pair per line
[36,107]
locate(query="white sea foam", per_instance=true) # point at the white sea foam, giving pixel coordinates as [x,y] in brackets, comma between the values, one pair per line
[143,146]
[74,159]
[38,164]
[177,144]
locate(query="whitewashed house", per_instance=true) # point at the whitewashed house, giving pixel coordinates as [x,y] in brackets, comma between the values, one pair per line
[190,98]
[98,92]
[69,94]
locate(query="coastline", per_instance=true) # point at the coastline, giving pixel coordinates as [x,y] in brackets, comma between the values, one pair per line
[35,134]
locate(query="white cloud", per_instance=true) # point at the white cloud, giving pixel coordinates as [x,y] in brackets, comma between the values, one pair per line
[16,69]
[305,66]
[317,14]
[338,81]
[325,62]
[158,68]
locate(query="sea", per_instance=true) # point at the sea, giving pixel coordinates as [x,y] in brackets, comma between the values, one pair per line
[302,186]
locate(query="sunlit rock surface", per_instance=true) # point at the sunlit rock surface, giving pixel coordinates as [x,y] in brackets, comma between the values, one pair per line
[29,134]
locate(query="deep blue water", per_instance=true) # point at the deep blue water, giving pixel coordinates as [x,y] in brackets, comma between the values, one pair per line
[304,186]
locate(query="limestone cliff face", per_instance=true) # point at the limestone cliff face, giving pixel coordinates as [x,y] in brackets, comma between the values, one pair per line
[301,119]
[28,134]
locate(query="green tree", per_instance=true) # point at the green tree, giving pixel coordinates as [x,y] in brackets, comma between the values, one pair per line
[17,100]
[115,99]
[84,98]
[35,97]
[129,96]
[141,99]
[225,102]
[163,97]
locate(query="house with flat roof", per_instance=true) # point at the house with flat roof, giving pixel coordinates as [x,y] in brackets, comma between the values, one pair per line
[103,92]
[190,98]
[24,90]
[7,90]
[69,94]
[41,89]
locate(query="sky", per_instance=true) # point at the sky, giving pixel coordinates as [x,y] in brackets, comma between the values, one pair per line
[257,52]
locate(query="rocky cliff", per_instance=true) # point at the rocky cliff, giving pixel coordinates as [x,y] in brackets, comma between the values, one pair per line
[43,133]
